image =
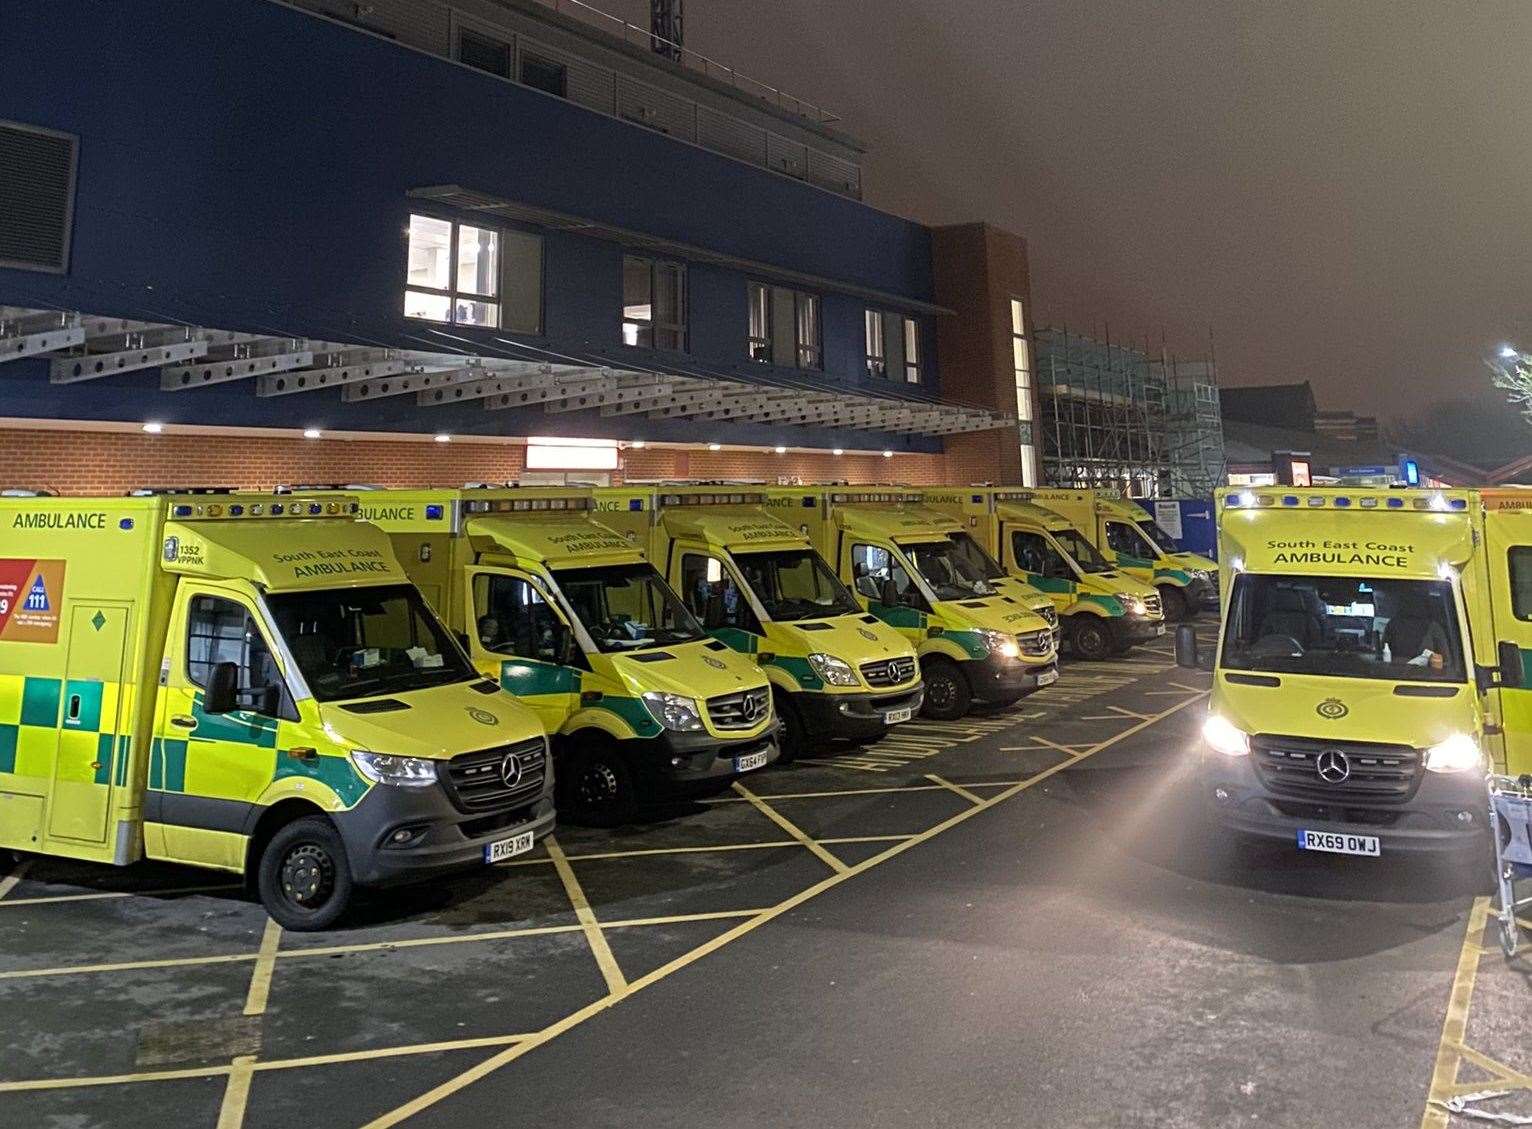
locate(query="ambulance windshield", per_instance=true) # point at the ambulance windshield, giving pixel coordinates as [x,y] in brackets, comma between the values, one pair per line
[975,558]
[627,607]
[942,567]
[362,642]
[1084,553]
[795,584]
[1348,627]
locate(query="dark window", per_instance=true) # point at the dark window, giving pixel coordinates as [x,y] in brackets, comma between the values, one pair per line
[1036,554]
[759,345]
[653,303]
[877,356]
[37,177]
[544,74]
[712,596]
[1521,582]
[810,352]
[223,631]
[484,53]
[514,619]
[872,565]
[1123,537]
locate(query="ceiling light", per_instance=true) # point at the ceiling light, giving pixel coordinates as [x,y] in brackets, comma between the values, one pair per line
[888,454]
[637,444]
[154,428]
[715,446]
[781,450]
[840,451]
[1508,351]
[312,433]
[444,439]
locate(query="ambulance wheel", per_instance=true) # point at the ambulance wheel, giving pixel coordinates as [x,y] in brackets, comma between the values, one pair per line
[793,741]
[596,785]
[1173,603]
[1090,639]
[947,693]
[304,878]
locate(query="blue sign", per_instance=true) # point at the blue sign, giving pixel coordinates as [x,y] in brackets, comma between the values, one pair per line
[37,597]
[1362,471]
[1409,470]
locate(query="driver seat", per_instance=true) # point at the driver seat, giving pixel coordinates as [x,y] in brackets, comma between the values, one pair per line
[1288,614]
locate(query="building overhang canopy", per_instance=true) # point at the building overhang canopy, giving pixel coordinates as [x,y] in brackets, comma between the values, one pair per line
[469,200]
[80,347]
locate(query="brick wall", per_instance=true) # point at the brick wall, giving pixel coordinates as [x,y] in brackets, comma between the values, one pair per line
[101,462]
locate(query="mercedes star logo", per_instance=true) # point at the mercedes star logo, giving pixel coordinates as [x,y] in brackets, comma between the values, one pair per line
[750,708]
[510,770]
[1332,766]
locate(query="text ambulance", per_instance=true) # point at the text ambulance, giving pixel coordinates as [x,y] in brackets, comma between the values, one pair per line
[568,615]
[1369,670]
[757,584]
[252,684]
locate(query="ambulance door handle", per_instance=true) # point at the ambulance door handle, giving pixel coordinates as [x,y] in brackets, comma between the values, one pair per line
[183,721]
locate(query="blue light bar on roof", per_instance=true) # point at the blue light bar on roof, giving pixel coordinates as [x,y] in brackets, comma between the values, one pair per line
[434,511]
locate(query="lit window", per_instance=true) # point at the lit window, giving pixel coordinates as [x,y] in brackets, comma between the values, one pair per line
[1021,365]
[877,362]
[454,274]
[653,303]
[911,351]
[810,355]
[759,343]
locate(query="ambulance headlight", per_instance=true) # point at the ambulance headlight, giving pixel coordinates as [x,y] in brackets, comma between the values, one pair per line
[1224,736]
[1458,753]
[999,643]
[1197,573]
[673,711]
[1133,605]
[403,772]
[834,671]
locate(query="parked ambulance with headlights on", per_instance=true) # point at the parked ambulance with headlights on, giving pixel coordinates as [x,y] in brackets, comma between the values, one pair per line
[1369,668]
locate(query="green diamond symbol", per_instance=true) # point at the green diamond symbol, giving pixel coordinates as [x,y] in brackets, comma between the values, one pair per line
[98,621]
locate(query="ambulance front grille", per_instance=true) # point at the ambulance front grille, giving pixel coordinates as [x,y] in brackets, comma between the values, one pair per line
[1036,644]
[1152,602]
[1336,771]
[742,710]
[889,672]
[1049,614]
[503,777]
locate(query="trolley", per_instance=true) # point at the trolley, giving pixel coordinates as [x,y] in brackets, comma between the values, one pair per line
[1510,814]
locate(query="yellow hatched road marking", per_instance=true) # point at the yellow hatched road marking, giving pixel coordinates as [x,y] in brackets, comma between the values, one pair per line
[496,1061]
[265,965]
[236,1093]
[1449,1052]
[958,788]
[1127,713]
[791,828]
[98,895]
[616,982]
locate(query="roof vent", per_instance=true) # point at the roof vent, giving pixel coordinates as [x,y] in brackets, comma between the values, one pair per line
[37,174]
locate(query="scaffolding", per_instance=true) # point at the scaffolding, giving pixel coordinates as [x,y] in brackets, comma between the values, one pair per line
[1119,417]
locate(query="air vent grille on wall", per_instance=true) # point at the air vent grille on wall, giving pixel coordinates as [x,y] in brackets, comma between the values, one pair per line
[37,174]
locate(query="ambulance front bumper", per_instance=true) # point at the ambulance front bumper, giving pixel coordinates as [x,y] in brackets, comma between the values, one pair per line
[1446,813]
[1136,628]
[681,763]
[856,715]
[441,838]
[997,677]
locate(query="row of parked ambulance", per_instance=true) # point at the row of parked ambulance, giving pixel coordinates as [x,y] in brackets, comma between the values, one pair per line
[324,689]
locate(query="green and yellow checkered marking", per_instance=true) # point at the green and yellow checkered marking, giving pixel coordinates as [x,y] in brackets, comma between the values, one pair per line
[33,722]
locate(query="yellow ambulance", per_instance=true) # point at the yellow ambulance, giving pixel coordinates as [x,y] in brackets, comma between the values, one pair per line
[758,585]
[1104,610]
[1369,668]
[1127,537]
[566,614]
[248,683]
[973,643]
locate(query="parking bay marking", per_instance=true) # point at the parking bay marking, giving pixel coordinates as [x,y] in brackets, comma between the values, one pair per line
[792,829]
[616,982]
[958,788]
[18,872]
[552,1031]
[236,1093]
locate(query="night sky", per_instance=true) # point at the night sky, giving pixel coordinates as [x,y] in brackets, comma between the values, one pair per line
[1339,190]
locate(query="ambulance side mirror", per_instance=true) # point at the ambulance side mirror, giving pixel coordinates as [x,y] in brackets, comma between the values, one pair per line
[221,693]
[1513,674]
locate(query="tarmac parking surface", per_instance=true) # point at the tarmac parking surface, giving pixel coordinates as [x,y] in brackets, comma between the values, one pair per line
[1020,918]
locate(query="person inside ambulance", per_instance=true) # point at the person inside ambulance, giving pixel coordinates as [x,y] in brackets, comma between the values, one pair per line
[1414,635]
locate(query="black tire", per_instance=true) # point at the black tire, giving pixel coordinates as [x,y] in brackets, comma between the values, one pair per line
[1091,639]
[1173,603]
[303,876]
[596,786]
[948,695]
[793,741]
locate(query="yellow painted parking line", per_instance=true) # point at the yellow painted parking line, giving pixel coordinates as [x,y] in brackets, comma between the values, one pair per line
[18,872]
[265,965]
[616,982]
[1449,1051]
[706,848]
[99,895]
[32,1084]
[1044,743]
[1503,1077]
[126,966]
[1128,713]
[1184,686]
[236,1093]
[791,828]
[958,788]
[511,1054]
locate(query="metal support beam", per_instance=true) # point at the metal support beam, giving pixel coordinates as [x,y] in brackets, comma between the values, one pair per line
[331,375]
[609,396]
[532,394]
[90,366]
[181,377]
[414,380]
[32,344]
